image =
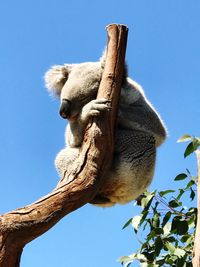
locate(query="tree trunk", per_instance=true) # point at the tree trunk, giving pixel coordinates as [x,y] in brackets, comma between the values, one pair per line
[196,249]
[22,225]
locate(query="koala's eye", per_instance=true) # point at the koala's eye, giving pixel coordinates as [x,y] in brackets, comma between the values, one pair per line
[87,98]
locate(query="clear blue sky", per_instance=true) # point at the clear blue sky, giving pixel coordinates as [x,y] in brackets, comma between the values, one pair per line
[163,55]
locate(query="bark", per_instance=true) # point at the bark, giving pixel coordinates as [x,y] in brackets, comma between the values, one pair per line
[196,249]
[22,225]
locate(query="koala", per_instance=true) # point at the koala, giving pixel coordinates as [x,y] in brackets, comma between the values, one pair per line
[139,132]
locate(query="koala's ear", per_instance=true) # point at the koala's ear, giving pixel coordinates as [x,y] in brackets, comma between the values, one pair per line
[56,77]
[103,58]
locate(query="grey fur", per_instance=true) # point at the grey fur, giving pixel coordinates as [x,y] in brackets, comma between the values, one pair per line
[140,129]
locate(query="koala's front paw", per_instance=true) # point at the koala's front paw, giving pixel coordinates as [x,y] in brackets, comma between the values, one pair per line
[94,108]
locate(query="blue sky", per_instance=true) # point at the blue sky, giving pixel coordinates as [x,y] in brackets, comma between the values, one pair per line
[163,55]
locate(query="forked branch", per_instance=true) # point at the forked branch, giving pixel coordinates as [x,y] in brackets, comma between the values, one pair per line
[20,226]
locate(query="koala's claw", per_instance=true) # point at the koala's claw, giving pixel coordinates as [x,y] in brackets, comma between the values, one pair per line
[100,104]
[94,108]
[101,101]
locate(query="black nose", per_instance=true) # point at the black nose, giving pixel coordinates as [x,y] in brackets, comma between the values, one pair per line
[65,108]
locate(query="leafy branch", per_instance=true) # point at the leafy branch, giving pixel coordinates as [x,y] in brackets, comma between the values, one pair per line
[169,226]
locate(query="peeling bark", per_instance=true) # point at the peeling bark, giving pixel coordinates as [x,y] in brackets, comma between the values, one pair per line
[22,225]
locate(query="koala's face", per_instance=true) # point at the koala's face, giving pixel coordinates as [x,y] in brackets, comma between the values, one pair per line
[80,88]
[75,84]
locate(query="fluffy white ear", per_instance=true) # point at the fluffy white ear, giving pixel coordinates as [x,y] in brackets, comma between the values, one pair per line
[103,58]
[56,77]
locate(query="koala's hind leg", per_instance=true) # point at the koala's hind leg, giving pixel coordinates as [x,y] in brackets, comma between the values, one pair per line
[64,160]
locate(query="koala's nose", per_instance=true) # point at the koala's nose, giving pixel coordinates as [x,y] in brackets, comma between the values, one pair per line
[65,108]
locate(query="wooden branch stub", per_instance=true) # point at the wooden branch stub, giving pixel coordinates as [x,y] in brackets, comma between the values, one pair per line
[19,227]
[114,70]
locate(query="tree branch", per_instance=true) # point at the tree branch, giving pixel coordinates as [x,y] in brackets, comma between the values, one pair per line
[22,225]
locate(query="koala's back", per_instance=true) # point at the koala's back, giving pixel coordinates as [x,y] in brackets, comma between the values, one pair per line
[132,168]
[137,113]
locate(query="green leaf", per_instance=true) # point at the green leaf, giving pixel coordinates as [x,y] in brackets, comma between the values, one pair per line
[179,252]
[149,255]
[141,257]
[127,223]
[156,220]
[167,229]
[158,245]
[196,143]
[160,261]
[149,265]
[179,226]
[192,193]
[169,260]
[181,192]
[136,222]
[162,193]
[192,222]
[174,203]
[181,176]
[191,183]
[186,238]
[171,239]
[158,231]
[144,215]
[171,248]
[155,207]
[166,218]
[123,259]
[185,138]
[146,201]
[189,150]
[127,260]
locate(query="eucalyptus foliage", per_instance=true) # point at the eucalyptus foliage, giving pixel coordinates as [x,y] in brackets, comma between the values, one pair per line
[168,225]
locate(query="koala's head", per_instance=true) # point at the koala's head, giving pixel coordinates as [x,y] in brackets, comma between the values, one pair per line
[75,84]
